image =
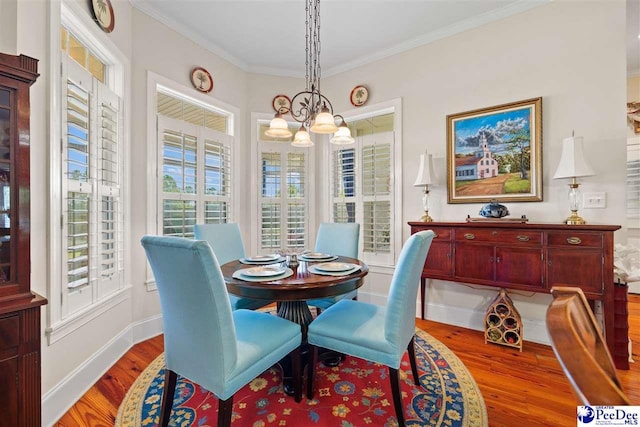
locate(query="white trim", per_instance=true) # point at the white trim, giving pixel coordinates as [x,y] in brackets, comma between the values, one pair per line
[76,19]
[153,81]
[442,33]
[386,107]
[457,28]
[534,330]
[57,401]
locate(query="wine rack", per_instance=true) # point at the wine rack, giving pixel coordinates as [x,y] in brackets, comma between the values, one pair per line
[502,322]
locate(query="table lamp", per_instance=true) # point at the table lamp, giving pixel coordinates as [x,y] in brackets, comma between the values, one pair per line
[573,165]
[424,179]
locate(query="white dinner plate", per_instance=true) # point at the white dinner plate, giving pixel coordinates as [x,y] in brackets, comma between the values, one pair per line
[317,255]
[263,258]
[264,271]
[334,266]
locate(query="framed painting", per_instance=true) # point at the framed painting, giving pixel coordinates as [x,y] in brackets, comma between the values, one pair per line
[495,153]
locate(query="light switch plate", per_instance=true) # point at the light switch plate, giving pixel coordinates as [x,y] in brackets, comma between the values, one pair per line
[594,199]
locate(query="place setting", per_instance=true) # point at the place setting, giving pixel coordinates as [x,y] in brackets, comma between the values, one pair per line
[333,268]
[316,257]
[262,259]
[263,273]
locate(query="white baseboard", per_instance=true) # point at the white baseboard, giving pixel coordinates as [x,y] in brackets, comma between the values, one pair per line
[533,330]
[67,392]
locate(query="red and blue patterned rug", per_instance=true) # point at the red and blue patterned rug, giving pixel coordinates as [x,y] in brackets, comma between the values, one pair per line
[355,393]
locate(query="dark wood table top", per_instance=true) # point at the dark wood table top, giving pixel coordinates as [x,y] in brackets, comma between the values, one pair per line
[302,285]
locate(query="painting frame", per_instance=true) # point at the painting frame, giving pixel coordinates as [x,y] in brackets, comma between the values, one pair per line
[514,132]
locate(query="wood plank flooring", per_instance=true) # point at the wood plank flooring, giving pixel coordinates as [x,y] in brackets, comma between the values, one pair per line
[525,388]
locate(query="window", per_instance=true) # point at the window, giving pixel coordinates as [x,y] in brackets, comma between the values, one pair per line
[284,194]
[91,176]
[362,185]
[194,157]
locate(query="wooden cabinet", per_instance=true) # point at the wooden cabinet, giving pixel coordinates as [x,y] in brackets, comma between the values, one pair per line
[531,257]
[500,257]
[20,394]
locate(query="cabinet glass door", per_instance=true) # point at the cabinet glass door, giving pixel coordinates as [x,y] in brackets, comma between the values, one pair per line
[5,186]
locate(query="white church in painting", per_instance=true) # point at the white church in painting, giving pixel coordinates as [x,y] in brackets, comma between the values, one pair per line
[481,165]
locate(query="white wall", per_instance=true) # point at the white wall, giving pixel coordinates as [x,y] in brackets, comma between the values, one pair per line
[570,53]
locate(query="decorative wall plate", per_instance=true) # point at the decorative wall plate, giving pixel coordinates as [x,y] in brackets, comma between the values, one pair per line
[103,14]
[201,80]
[359,95]
[281,103]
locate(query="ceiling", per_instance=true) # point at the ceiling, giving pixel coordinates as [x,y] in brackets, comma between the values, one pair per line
[267,36]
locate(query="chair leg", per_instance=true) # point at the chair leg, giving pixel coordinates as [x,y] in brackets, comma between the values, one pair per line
[394,377]
[297,374]
[311,369]
[225,409]
[412,359]
[170,379]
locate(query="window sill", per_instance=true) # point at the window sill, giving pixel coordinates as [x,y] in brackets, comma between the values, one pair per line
[64,327]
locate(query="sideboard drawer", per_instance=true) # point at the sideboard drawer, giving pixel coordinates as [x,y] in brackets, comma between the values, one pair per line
[520,237]
[442,233]
[569,238]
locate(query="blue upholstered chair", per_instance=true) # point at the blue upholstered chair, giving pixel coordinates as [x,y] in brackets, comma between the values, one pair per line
[204,340]
[336,239]
[226,242]
[374,333]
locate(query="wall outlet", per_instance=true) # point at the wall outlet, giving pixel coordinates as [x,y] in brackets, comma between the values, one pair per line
[594,200]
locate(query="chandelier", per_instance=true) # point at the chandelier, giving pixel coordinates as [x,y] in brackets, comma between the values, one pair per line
[311,108]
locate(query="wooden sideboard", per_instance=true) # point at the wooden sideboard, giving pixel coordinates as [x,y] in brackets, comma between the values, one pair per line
[528,257]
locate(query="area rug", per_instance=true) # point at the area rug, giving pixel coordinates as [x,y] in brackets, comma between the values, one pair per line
[355,393]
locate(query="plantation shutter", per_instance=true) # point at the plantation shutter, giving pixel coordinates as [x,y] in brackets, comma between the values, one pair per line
[283,197]
[91,169]
[270,211]
[195,176]
[110,237]
[362,192]
[376,192]
[296,200]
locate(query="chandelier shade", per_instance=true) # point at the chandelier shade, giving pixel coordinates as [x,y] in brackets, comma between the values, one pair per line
[302,138]
[278,128]
[310,107]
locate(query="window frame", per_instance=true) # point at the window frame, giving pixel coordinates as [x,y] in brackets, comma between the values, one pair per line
[391,106]
[154,81]
[255,185]
[118,72]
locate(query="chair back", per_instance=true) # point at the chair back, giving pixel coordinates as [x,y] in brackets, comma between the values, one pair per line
[225,240]
[199,332]
[581,350]
[400,320]
[338,238]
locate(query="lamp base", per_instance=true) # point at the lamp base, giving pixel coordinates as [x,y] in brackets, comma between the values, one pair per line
[574,219]
[426,217]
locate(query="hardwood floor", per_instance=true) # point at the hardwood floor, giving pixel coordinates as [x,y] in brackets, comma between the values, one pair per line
[519,389]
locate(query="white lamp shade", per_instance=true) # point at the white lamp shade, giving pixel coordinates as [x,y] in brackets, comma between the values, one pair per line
[324,123]
[278,128]
[302,139]
[425,171]
[572,162]
[342,136]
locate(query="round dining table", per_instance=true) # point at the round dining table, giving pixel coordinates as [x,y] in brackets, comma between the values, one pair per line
[293,292]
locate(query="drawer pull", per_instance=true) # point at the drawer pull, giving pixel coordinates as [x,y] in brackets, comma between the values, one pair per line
[522,238]
[574,240]
[435,235]
[469,236]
